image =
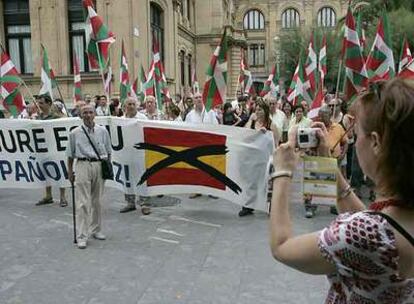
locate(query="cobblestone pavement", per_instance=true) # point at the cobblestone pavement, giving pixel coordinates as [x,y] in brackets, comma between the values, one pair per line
[187,251]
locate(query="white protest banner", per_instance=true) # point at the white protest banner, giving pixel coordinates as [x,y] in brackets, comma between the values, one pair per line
[149,157]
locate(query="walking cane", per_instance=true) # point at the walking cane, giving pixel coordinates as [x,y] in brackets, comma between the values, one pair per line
[73,211]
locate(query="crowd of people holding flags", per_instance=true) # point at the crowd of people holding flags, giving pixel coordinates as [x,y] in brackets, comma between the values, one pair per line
[307,103]
[306,100]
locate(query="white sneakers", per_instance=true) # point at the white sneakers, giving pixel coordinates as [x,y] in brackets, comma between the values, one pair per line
[81,243]
[99,236]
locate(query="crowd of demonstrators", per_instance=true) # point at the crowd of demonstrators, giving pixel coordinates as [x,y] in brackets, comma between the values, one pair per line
[367,255]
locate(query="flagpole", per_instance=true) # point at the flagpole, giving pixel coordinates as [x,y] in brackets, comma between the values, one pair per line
[337,85]
[101,70]
[61,97]
[31,94]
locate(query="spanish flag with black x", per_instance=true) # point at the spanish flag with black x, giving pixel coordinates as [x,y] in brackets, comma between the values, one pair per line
[181,157]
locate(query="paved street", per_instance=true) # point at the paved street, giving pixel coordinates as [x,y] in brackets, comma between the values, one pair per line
[194,251]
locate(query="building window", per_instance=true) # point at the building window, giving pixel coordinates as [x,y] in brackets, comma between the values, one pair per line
[182,68]
[290,18]
[256,54]
[18,37]
[190,69]
[77,36]
[253,20]
[157,26]
[326,17]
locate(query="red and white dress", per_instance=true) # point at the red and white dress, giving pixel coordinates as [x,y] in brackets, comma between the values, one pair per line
[362,247]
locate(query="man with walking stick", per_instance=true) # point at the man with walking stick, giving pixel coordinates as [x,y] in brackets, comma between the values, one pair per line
[88,144]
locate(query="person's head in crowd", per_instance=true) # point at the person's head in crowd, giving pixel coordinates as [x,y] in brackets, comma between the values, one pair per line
[189,102]
[227,108]
[80,103]
[335,106]
[305,107]
[45,103]
[177,98]
[59,107]
[174,111]
[242,100]
[198,102]
[87,98]
[385,141]
[97,100]
[130,107]
[272,104]
[88,115]
[262,111]
[279,104]
[328,97]
[299,112]
[325,115]
[114,107]
[31,109]
[287,108]
[150,104]
[103,101]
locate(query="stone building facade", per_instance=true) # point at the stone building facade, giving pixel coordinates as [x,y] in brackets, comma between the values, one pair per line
[188,31]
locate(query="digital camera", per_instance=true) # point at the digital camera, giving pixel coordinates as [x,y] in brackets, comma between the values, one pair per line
[307,138]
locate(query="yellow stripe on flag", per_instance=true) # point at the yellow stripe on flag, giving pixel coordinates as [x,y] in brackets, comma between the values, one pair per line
[216,161]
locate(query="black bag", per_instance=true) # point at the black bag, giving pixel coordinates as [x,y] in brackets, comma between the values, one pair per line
[107,170]
[106,164]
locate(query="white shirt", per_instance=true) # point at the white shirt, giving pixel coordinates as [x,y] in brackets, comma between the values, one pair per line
[204,117]
[100,111]
[156,116]
[278,118]
[138,116]
[80,147]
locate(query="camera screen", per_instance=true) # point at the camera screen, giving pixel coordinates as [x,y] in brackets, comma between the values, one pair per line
[303,138]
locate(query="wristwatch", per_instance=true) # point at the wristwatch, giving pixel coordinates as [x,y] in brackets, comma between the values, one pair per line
[281,173]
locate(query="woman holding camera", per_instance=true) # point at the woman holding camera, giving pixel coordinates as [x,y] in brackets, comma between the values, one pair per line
[368,255]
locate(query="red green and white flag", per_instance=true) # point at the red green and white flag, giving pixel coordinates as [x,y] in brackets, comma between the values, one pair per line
[47,76]
[245,77]
[297,91]
[77,91]
[356,76]
[408,71]
[156,77]
[271,85]
[215,87]
[323,68]
[311,67]
[380,62]
[98,38]
[405,56]
[317,102]
[195,85]
[124,86]
[108,80]
[9,85]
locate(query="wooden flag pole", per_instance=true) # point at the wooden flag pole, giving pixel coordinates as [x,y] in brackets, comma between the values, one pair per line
[337,85]
[31,95]
[101,71]
[61,97]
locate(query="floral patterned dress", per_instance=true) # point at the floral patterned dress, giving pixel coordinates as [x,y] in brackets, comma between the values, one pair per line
[362,247]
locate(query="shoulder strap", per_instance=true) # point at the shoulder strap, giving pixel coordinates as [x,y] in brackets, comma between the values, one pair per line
[397,226]
[90,141]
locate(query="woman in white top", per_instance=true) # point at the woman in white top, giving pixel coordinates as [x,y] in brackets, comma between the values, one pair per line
[300,120]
